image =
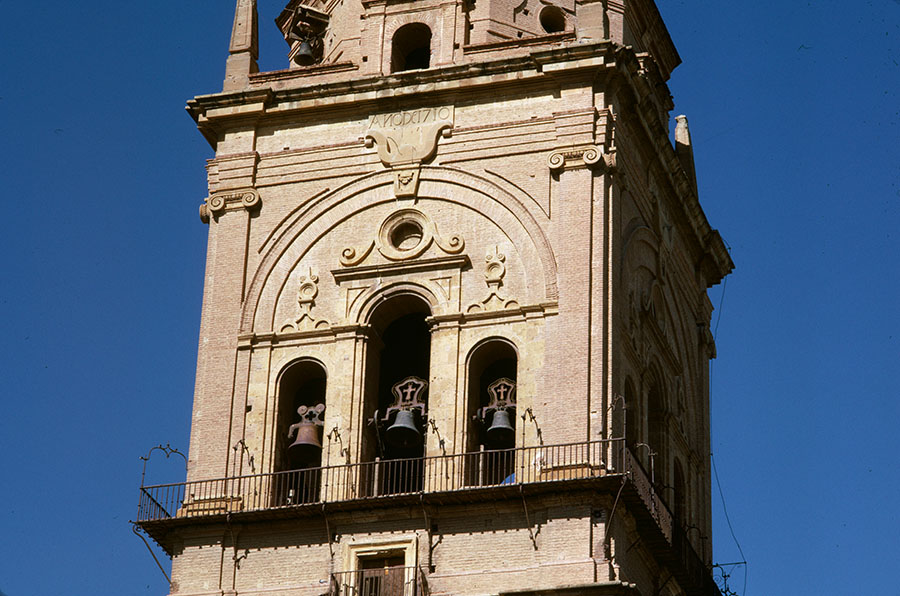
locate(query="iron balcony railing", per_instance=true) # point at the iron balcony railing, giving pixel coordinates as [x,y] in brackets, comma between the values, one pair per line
[385,581]
[380,478]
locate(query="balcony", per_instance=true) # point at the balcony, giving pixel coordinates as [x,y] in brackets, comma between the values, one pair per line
[387,581]
[456,478]
[604,465]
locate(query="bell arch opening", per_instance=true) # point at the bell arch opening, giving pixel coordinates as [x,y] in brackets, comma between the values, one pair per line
[632,415]
[679,495]
[396,395]
[298,431]
[492,374]
[657,435]
[411,48]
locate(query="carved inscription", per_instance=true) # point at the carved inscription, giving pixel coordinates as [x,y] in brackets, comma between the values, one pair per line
[407,138]
[412,118]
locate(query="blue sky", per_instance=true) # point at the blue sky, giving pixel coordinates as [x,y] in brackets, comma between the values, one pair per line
[795,116]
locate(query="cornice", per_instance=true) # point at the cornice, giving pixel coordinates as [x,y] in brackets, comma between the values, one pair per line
[714,262]
[433,81]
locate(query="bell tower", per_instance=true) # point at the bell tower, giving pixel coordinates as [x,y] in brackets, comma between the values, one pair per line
[455,327]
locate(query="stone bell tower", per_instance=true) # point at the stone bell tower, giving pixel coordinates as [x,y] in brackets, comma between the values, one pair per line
[455,329]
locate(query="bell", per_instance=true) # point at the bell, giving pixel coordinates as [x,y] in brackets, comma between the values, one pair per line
[404,433]
[304,55]
[307,447]
[501,431]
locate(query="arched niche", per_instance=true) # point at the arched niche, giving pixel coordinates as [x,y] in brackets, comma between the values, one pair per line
[632,415]
[411,47]
[298,433]
[657,433]
[679,494]
[491,384]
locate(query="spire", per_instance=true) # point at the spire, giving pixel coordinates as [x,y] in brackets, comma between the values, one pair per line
[244,48]
[683,149]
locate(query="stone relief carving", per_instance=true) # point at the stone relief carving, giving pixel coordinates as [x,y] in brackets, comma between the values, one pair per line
[589,156]
[405,234]
[306,298]
[494,272]
[230,200]
[405,139]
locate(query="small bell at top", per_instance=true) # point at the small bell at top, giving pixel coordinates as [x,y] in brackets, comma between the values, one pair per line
[304,55]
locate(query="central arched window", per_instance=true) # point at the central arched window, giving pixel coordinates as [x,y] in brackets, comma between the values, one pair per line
[397,375]
[411,47]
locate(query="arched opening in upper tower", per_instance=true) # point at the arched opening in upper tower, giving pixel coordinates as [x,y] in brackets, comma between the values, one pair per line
[397,377]
[553,20]
[491,405]
[298,432]
[411,48]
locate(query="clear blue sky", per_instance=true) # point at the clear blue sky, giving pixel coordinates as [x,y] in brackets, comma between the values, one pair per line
[795,114]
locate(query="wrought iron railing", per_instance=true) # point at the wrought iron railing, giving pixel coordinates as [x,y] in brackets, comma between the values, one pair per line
[368,480]
[644,488]
[386,581]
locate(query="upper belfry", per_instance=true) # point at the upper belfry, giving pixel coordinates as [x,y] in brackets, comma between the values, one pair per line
[380,37]
[455,333]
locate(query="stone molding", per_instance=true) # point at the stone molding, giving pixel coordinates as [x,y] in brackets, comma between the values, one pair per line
[230,200]
[291,238]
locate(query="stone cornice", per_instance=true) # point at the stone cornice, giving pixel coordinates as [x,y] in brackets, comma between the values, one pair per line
[714,261]
[354,92]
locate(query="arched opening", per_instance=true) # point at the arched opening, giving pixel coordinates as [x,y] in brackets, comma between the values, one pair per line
[397,376]
[552,19]
[491,399]
[298,437]
[632,415]
[679,497]
[656,422]
[411,47]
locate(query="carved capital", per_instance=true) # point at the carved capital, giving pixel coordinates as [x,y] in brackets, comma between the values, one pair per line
[230,200]
[589,156]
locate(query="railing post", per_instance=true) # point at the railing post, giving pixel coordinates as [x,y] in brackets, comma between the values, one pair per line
[376,476]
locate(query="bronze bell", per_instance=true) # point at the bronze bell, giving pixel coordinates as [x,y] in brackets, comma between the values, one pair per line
[501,430]
[404,433]
[307,447]
[304,55]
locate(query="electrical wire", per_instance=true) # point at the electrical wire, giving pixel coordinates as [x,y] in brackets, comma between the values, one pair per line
[728,520]
[721,303]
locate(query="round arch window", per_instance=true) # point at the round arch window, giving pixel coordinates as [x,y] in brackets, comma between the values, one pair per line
[553,20]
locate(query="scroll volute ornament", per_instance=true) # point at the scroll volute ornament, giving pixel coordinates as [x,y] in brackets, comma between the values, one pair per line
[405,234]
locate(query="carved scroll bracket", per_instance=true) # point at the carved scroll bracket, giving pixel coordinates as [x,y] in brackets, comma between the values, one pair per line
[406,139]
[230,200]
[589,156]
